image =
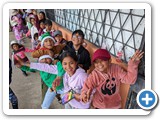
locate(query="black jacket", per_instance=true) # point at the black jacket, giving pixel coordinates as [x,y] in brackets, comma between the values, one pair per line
[82,54]
[10,71]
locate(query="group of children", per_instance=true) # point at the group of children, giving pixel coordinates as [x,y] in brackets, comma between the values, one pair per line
[63,67]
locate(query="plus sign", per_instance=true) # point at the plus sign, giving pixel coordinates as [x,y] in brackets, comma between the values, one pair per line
[147,99]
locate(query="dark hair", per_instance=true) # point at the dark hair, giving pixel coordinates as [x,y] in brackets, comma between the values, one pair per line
[42,21]
[68,54]
[15,44]
[80,32]
[28,14]
[24,10]
[35,35]
[48,22]
[19,45]
[31,19]
[43,15]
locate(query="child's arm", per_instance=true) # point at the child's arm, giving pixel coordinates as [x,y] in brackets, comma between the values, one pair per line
[58,48]
[60,69]
[26,68]
[85,96]
[21,62]
[130,76]
[25,49]
[38,46]
[44,67]
[28,50]
[59,75]
[78,90]
[39,66]
[40,52]
[88,87]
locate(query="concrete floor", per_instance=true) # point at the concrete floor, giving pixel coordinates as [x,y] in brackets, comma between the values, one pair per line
[28,89]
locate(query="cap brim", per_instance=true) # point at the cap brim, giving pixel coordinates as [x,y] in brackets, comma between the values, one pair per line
[100,57]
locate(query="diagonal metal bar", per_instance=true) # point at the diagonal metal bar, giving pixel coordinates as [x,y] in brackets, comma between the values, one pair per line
[122,27]
[111,24]
[103,24]
[67,18]
[132,34]
[133,31]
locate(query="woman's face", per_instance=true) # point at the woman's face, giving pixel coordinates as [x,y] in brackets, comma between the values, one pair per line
[15,47]
[69,65]
[48,43]
[102,65]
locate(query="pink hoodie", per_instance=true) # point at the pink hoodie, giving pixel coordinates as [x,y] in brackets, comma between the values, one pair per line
[107,85]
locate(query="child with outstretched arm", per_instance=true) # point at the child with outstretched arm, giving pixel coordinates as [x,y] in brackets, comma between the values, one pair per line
[106,79]
[73,79]
[19,50]
[48,79]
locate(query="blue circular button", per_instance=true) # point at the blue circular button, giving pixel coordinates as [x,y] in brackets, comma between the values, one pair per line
[147,99]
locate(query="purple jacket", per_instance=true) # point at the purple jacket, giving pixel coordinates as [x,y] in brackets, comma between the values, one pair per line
[21,26]
[74,82]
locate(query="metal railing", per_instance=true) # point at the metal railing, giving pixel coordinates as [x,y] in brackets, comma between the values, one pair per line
[118,30]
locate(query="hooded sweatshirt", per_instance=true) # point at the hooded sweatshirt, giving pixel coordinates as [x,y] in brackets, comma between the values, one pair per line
[74,82]
[107,85]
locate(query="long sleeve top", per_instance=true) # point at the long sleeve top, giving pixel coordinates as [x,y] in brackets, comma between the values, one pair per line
[107,85]
[74,82]
[49,78]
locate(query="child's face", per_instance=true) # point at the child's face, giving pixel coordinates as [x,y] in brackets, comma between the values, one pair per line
[69,65]
[36,38]
[48,43]
[48,27]
[77,39]
[58,38]
[15,47]
[33,22]
[102,65]
[42,25]
[46,60]
[41,16]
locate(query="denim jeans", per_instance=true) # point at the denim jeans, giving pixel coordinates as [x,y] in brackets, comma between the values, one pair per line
[13,99]
[49,97]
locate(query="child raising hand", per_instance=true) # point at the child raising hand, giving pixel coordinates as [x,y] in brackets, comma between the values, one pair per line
[106,79]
